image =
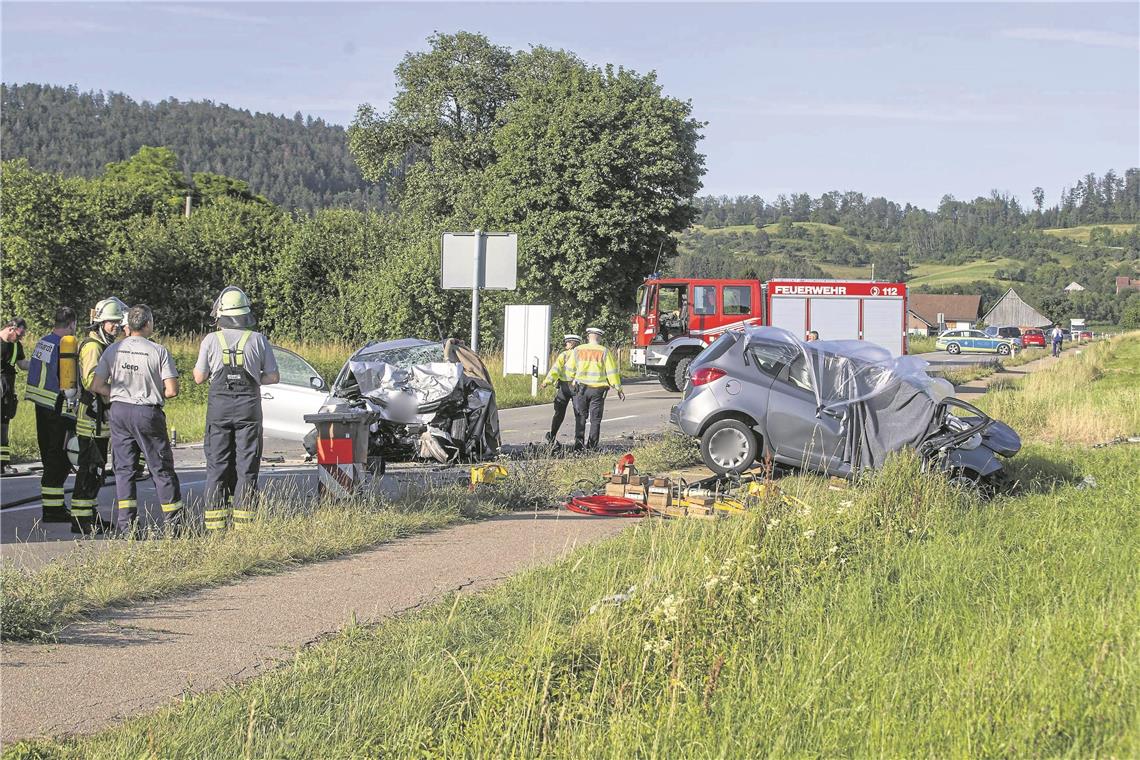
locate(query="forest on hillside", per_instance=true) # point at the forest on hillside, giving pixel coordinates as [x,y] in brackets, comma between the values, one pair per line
[298,163]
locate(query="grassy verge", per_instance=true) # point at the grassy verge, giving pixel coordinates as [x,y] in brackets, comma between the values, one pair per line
[187,412]
[920,344]
[291,529]
[898,618]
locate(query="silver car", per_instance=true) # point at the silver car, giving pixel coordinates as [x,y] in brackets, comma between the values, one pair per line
[835,407]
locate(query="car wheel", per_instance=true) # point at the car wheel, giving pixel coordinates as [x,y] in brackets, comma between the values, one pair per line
[665,377]
[954,348]
[681,373]
[1003,349]
[729,446]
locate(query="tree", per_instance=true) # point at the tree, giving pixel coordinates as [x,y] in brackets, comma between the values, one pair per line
[1130,315]
[1039,198]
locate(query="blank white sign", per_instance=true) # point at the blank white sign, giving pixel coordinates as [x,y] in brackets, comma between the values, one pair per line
[526,336]
[500,261]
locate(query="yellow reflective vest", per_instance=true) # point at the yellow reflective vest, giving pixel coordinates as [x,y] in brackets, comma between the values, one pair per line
[557,371]
[594,366]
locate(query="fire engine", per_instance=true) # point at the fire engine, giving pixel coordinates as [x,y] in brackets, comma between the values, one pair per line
[677,317]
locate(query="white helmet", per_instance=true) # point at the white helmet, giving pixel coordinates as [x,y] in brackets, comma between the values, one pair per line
[231,302]
[109,310]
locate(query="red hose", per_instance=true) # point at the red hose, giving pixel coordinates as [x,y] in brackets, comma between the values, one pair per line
[600,505]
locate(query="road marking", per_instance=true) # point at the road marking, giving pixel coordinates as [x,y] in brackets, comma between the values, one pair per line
[615,419]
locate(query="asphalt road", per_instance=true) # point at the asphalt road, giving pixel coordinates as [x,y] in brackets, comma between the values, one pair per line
[25,541]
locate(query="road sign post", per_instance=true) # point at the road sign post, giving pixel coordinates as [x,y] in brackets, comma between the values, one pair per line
[478,260]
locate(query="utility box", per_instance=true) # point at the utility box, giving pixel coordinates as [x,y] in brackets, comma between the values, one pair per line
[342,450]
[526,339]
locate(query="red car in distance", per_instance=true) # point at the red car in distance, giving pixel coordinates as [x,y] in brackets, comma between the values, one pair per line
[1032,337]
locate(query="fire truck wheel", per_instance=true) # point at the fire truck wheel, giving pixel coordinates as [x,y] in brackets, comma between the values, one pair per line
[665,377]
[729,446]
[681,372]
[954,348]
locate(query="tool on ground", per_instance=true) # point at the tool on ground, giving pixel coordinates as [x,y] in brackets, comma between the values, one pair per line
[488,474]
[601,505]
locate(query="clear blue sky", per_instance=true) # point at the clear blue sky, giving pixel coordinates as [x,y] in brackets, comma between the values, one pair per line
[909,101]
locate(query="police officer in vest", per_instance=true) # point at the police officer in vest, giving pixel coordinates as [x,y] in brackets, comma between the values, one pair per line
[91,424]
[54,423]
[237,361]
[593,371]
[564,394]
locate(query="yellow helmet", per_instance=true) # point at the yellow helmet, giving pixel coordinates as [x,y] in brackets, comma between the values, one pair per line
[109,310]
[232,302]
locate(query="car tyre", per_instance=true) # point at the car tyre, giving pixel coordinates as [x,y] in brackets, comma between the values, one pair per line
[1003,349]
[665,377]
[954,348]
[729,446]
[681,372]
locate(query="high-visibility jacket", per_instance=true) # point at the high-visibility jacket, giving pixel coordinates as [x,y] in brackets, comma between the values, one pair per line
[90,349]
[557,371]
[594,366]
[43,372]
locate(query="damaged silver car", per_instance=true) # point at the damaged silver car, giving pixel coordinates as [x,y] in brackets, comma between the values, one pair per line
[836,407]
[428,400]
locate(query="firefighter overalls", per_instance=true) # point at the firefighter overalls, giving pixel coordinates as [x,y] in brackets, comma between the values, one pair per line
[94,433]
[53,426]
[233,438]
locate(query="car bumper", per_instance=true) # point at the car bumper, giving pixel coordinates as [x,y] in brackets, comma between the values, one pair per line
[690,415]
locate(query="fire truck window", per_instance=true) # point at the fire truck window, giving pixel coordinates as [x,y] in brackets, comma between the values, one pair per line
[737,300]
[669,300]
[704,300]
[643,301]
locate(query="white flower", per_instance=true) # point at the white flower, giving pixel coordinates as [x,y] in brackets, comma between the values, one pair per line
[809,533]
[834,549]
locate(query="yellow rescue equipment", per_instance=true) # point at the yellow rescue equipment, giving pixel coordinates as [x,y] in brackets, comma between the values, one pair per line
[69,369]
[488,474]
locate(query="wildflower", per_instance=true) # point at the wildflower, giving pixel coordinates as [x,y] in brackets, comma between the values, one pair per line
[809,533]
[834,549]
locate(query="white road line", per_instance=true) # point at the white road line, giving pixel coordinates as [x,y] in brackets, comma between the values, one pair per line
[615,419]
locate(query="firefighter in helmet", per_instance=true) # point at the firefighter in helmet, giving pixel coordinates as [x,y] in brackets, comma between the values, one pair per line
[91,424]
[237,361]
[55,421]
[565,394]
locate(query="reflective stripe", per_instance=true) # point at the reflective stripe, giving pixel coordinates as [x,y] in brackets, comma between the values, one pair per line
[245,514]
[84,502]
[557,372]
[213,514]
[235,356]
[127,504]
[52,490]
[172,507]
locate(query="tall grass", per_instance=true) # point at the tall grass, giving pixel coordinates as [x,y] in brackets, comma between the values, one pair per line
[899,618]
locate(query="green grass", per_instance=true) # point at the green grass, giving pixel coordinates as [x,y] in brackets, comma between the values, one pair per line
[953,274]
[291,528]
[899,618]
[920,344]
[1082,233]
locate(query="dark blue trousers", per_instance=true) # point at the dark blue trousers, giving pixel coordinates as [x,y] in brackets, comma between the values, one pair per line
[136,429]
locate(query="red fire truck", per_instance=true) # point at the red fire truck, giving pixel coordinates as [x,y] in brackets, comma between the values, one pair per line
[677,317]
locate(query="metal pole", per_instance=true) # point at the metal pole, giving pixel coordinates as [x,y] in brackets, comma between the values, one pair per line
[476,283]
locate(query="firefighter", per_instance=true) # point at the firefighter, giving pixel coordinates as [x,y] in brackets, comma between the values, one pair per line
[140,468]
[11,359]
[138,376]
[237,361]
[592,371]
[54,423]
[91,425]
[565,394]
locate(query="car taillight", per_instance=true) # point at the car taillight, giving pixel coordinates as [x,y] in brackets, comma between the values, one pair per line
[706,375]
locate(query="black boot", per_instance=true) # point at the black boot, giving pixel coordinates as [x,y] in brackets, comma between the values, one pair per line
[55,515]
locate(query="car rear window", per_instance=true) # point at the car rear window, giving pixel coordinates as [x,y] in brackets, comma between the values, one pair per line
[717,348]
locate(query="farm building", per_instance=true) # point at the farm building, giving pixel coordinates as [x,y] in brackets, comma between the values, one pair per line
[931,313]
[1074,287]
[1010,309]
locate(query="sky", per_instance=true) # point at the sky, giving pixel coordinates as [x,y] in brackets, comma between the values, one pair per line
[910,101]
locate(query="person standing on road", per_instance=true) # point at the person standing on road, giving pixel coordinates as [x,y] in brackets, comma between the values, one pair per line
[592,371]
[54,425]
[565,394]
[11,359]
[1058,336]
[91,424]
[237,361]
[138,376]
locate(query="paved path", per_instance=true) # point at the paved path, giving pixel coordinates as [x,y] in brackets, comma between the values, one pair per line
[121,663]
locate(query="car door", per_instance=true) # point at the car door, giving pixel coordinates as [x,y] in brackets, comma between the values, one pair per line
[797,434]
[285,404]
[975,340]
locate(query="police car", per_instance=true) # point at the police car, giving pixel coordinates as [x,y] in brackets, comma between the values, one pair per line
[974,341]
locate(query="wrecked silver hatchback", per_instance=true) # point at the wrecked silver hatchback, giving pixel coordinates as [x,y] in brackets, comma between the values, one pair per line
[429,400]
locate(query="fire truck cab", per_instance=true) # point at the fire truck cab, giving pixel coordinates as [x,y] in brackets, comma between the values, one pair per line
[677,318]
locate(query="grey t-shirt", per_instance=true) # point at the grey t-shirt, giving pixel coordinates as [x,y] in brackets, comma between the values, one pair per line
[257,354]
[135,368]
